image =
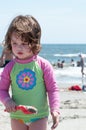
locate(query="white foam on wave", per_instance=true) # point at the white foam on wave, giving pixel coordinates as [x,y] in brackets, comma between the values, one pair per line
[70,75]
[70,55]
[69,71]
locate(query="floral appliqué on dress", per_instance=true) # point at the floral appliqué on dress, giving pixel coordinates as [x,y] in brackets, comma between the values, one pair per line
[26,79]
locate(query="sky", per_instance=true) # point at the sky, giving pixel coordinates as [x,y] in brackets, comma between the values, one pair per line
[61,21]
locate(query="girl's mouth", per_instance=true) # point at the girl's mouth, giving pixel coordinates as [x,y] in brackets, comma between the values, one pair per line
[20,53]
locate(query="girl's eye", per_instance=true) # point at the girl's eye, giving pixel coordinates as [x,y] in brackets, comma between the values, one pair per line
[25,44]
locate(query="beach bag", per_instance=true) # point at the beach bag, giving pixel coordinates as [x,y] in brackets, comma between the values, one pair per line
[75,87]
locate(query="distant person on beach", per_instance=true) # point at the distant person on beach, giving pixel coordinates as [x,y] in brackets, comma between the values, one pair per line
[59,63]
[30,76]
[6,57]
[78,64]
[72,62]
[62,63]
[82,63]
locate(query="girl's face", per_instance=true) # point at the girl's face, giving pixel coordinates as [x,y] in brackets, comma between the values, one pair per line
[20,49]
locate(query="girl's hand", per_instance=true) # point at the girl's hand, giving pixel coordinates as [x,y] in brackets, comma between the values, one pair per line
[10,106]
[55,117]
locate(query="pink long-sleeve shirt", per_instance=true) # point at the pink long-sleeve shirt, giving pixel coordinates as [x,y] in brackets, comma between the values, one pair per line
[48,75]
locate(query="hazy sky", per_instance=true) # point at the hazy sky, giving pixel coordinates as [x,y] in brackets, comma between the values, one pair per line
[62,21]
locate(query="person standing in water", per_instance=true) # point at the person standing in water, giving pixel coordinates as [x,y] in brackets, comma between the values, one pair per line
[82,64]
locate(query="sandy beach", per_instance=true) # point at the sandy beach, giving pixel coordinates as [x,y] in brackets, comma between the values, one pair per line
[72,108]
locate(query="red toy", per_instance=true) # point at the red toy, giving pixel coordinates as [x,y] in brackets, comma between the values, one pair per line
[26,110]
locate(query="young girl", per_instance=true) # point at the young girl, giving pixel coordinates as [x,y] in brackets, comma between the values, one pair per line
[30,76]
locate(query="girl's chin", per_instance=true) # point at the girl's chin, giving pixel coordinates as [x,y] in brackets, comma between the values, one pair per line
[23,58]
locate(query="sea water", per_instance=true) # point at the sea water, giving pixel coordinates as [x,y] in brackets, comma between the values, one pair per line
[53,52]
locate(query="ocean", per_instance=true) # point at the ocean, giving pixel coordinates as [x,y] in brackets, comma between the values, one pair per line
[68,74]
[53,52]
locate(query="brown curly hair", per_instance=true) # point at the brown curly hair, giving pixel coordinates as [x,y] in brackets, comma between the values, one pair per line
[28,29]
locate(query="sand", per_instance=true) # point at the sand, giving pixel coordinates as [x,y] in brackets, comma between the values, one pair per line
[72,109]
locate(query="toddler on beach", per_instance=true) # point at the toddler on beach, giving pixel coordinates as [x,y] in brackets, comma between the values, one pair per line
[30,76]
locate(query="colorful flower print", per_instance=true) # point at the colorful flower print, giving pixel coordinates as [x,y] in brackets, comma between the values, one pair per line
[26,79]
